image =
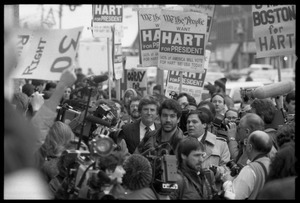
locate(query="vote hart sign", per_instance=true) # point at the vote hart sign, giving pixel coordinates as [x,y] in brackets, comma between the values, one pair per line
[107,13]
[50,52]
[274,29]
[182,41]
[149,21]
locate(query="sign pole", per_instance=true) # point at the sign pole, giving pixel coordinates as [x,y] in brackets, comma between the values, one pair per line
[279,68]
[180,84]
[108,62]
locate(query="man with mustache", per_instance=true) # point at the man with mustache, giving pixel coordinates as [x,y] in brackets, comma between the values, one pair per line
[217,152]
[169,134]
[134,132]
[191,177]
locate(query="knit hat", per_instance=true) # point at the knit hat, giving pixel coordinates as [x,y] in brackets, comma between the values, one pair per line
[222,83]
[138,172]
[126,93]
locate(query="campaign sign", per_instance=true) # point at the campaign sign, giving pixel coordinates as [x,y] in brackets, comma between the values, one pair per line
[206,9]
[49,54]
[107,13]
[182,41]
[149,21]
[104,17]
[137,79]
[118,61]
[274,29]
[192,83]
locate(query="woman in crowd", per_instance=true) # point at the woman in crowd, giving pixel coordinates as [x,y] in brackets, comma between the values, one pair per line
[58,139]
[66,95]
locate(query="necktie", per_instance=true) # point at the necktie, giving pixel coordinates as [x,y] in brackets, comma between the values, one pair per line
[147,128]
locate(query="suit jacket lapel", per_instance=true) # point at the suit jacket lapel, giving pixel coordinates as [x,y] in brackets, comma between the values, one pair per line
[136,132]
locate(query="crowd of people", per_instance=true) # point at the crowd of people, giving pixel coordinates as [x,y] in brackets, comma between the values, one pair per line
[59,146]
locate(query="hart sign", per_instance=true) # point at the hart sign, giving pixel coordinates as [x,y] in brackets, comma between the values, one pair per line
[137,79]
[206,9]
[274,29]
[149,20]
[104,17]
[182,41]
[192,83]
[50,52]
[107,13]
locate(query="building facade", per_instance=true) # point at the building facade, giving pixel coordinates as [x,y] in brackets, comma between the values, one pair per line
[232,41]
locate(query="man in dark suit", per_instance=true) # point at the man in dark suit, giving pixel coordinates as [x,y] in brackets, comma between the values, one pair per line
[134,132]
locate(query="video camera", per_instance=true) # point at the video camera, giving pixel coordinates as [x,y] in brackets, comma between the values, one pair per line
[81,168]
[220,124]
[102,115]
[164,167]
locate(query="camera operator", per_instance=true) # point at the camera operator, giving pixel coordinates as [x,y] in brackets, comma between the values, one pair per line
[191,178]
[230,116]
[251,179]
[238,134]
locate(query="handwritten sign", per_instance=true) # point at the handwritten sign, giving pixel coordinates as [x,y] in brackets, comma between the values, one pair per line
[274,29]
[105,16]
[149,21]
[137,79]
[50,52]
[182,41]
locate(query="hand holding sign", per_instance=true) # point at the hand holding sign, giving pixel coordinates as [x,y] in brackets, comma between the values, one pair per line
[37,100]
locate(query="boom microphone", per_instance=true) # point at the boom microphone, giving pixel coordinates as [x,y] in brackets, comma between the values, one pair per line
[97,120]
[274,90]
[97,79]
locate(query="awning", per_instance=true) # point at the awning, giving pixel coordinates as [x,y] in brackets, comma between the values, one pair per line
[226,52]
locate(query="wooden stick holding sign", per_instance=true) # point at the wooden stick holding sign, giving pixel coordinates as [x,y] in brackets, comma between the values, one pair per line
[180,84]
[140,46]
[279,68]
[108,62]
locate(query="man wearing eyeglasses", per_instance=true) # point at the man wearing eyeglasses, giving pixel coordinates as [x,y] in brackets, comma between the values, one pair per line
[238,134]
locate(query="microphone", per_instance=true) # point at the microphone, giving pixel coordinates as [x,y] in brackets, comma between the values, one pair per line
[274,90]
[97,79]
[97,120]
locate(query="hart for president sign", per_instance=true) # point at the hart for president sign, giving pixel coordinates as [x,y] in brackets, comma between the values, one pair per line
[274,29]
[149,21]
[182,41]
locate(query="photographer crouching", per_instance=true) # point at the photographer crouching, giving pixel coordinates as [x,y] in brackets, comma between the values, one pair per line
[251,179]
